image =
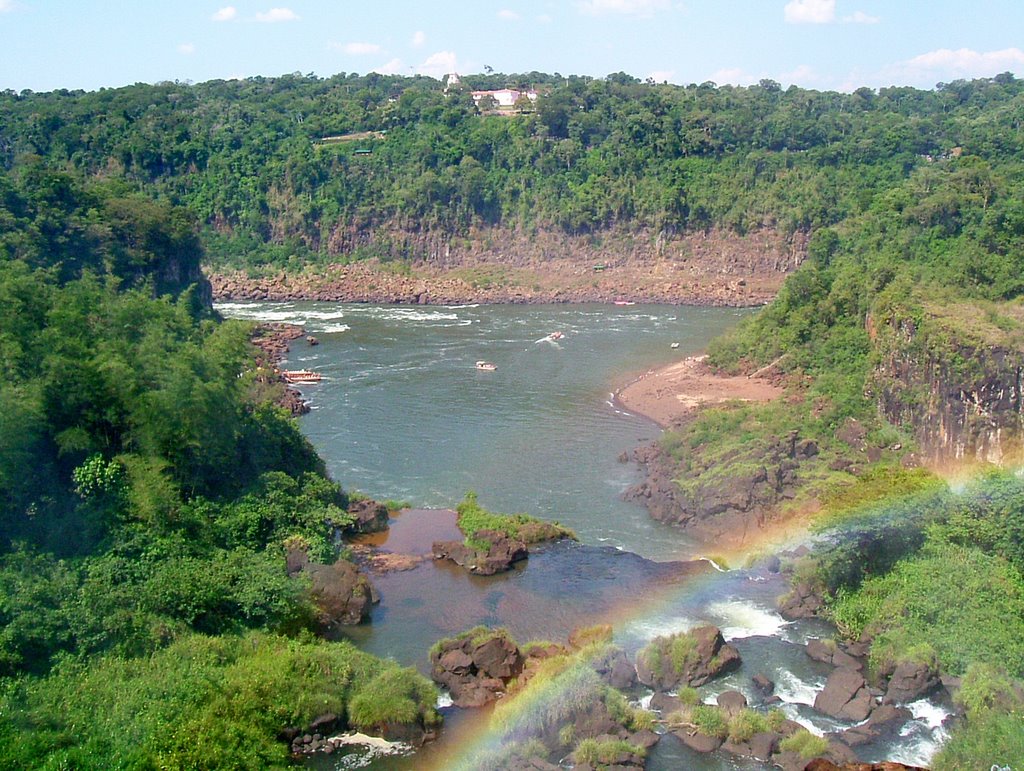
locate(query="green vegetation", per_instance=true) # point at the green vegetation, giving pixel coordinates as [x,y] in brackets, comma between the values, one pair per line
[806,744]
[938,577]
[473,518]
[249,158]
[709,720]
[202,702]
[605,752]
[148,492]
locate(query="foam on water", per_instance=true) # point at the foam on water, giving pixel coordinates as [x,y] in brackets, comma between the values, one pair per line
[792,690]
[648,629]
[335,328]
[929,713]
[444,699]
[370,748]
[743,618]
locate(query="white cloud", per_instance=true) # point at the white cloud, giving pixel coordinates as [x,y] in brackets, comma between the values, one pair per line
[439,64]
[419,37]
[859,17]
[392,67]
[6,6]
[643,8]
[227,13]
[544,19]
[810,11]
[962,63]
[276,15]
[357,49]
[508,15]
[735,76]
[187,48]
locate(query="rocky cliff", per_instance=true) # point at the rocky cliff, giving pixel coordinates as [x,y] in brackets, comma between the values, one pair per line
[952,377]
[509,266]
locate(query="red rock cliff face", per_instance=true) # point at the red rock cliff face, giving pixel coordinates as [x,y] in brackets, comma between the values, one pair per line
[508,266]
[960,396]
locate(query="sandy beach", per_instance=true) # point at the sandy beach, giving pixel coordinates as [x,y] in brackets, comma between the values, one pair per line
[676,391]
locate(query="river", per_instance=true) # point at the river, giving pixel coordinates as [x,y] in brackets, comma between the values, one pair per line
[402,413]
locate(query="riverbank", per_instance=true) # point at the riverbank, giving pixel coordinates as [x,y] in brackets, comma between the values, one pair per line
[677,391]
[716,269]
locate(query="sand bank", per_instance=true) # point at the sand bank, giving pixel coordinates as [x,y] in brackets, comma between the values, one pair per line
[676,391]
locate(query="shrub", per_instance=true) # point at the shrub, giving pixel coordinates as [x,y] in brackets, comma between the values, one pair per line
[709,721]
[805,744]
[603,752]
[395,696]
[746,724]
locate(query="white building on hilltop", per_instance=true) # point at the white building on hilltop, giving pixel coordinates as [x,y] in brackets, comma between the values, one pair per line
[505,97]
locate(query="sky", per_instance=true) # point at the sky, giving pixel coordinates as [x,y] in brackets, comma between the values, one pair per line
[821,44]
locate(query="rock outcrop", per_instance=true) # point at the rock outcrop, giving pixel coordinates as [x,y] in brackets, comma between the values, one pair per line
[686,659]
[500,555]
[687,492]
[845,696]
[370,516]
[342,595]
[957,385]
[511,266]
[476,666]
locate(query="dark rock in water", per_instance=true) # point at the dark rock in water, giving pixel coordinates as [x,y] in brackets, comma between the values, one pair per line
[912,680]
[501,554]
[829,652]
[707,656]
[822,764]
[821,650]
[312,340]
[342,594]
[762,745]
[804,601]
[884,723]
[370,516]
[763,684]
[845,696]
[475,667]
[645,739]
[732,702]
[699,742]
[665,703]
[616,670]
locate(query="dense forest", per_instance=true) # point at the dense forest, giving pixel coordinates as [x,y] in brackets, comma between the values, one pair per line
[264,164]
[129,565]
[146,617]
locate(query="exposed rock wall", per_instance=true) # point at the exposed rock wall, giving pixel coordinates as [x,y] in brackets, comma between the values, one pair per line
[956,391]
[507,266]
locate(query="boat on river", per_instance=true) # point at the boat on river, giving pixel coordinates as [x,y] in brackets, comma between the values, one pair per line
[486,366]
[624,302]
[555,336]
[301,376]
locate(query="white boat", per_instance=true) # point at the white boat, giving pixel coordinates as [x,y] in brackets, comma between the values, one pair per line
[555,336]
[303,376]
[486,366]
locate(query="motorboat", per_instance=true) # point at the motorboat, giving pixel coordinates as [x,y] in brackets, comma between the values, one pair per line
[486,366]
[301,376]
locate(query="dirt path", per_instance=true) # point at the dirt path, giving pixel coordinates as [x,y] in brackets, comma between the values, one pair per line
[675,391]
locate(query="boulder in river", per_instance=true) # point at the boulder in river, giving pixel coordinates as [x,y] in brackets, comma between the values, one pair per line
[912,680]
[845,696]
[370,516]
[688,658]
[476,665]
[501,553]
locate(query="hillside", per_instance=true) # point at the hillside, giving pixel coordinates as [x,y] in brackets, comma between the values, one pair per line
[429,171]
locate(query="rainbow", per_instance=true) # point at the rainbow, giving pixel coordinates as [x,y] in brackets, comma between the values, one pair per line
[488,737]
